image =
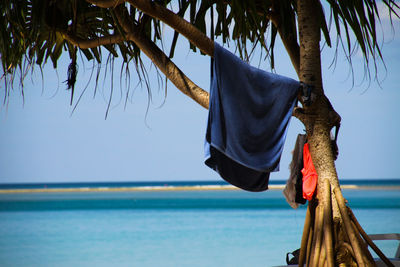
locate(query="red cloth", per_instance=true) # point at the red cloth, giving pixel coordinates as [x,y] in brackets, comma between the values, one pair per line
[310,176]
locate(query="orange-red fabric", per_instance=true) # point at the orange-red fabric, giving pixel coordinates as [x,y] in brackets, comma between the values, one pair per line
[310,176]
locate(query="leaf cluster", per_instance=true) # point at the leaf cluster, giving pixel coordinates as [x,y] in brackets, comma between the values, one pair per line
[32,31]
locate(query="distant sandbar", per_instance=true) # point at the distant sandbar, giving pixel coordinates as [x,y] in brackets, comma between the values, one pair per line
[168,188]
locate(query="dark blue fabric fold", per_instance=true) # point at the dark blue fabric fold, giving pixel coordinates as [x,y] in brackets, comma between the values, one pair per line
[249,114]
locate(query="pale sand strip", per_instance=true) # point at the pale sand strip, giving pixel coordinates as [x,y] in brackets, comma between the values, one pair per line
[168,188]
[121,189]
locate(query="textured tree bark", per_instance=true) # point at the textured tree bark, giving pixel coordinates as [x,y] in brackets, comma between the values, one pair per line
[153,9]
[194,35]
[152,51]
[157,56]
[84,43]
[317,119]
[317,123]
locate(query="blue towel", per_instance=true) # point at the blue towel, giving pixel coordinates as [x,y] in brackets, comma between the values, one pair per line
[249,114]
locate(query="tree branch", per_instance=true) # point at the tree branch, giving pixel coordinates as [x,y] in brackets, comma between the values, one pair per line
[299,114]
[204,43]
[106,3]
[194,35]
[158,57]
[84,44]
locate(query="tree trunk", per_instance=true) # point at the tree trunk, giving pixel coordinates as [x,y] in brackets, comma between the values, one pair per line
[329,235]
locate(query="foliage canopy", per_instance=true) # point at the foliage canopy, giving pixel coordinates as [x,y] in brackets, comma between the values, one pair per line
[34,31]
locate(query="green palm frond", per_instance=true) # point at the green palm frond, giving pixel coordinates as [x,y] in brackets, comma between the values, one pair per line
[31,31]
[359,18]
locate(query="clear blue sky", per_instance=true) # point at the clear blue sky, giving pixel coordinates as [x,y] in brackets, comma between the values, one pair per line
[41,142]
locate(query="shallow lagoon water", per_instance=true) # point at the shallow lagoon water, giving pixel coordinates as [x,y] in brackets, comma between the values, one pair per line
[174,228]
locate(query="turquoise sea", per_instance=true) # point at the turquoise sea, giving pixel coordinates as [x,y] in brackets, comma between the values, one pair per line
[170,228]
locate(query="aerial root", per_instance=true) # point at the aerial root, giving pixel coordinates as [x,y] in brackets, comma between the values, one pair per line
[317,243]
[322,255]
[328,240]
[305,238]
[309,244]
[367,257]
[319,220]
[368,240]
[358,253]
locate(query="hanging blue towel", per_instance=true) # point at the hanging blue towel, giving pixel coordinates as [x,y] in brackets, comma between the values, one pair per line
[249,114]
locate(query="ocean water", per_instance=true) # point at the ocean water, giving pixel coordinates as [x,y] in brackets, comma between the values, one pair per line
[168,228]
